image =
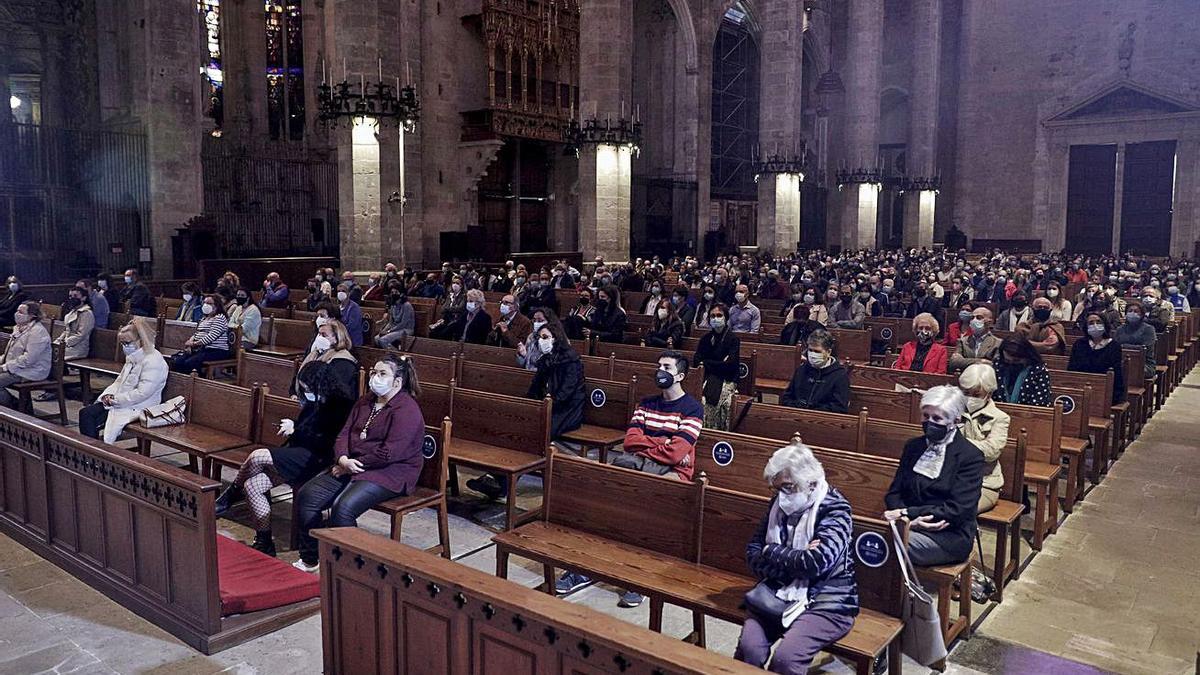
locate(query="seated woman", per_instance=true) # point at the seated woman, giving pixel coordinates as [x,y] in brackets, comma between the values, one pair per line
[578,317]
[986,426]
[210,342]
[308,450]
[720,354]
[923,354]
[1099,353]
[937,484]
[138,386]
[528,353]
[332,346]
[453,307]
[559,375]
[801,552]
[609,319]
[1021,376]
[28,356]
[820,383]
[960,328]
[190,309]
[245,315]
[668,330]
[377,457]
[401,321]
[800,326]
[78,324]
[1136,332]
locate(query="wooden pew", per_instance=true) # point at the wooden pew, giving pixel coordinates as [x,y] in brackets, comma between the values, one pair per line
[429,368]
[432,347]
[275,373]
[634,353]
[141,532]
[219,417]
[53,382]
[443,617]
[104,358]
[689,550]
[287,338]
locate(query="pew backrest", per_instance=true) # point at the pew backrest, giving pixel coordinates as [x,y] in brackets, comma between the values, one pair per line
[526,423]
[276,373]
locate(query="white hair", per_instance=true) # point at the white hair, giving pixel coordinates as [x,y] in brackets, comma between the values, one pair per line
[978,377]
[947,398]
[795,462]
[925,316]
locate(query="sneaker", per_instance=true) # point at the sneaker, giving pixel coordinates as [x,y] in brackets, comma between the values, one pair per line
[225,501]
[305,567]
[263,543]
[982,587]
[47,396]
[487,486]
[570,582]
[629,599]
[881,664]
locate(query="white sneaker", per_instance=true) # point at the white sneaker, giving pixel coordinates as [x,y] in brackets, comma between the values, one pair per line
[305,567]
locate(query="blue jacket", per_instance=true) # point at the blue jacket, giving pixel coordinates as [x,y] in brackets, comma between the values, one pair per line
[828,569]
[352,317]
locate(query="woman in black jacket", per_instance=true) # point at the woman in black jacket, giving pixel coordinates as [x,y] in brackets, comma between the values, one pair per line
[938,482]
[800,327]
[667,326]
[720,354]
[325,404]
[559,375]
[608,321]
[820,383]
[1099,353]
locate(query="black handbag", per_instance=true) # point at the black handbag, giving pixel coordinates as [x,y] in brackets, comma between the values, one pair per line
[762,601]
[712,390]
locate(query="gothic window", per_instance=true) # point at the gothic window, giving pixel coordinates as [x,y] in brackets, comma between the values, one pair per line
[285,69]
[734,108]
[212,74]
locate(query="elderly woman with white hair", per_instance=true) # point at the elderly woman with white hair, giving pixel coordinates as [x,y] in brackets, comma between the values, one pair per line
[986,426]
[937,484]
[923,354]
[807,597]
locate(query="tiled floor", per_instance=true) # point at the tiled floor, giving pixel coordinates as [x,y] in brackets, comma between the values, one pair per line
[1117,588]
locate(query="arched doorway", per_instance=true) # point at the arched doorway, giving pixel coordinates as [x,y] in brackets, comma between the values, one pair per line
[735,100]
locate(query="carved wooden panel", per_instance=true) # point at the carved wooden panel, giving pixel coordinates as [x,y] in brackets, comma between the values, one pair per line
[356,612]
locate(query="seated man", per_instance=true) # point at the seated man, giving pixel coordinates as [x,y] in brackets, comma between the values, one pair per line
[744,317]
[661,439]
[1045,333]
[978,347]
[820,383]
[513,328]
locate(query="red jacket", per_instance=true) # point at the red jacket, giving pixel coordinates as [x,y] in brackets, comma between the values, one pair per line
[954,334]
[935,360]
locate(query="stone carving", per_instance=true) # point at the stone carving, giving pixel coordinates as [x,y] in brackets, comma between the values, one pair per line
[1125,51]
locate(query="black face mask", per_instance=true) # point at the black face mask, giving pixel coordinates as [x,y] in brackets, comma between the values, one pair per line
[935,432]
[663,379]
[1019,305]
[584,302]
[601,304]
[1041,314]
[241,300]
[846,299]
[918,292]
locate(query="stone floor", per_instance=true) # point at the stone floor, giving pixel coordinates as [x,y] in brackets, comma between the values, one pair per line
[1097,599]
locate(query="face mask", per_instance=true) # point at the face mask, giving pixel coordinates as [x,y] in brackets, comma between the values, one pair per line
[1133,317]
[187,297]
[817,359]
[924,336]
[102,284]
[505,310]
[309,396]
[1019,305]
[975,403]
[372,282]
[740,297]
[865,295]
[545,344]
[846,299]
[717,323]
[472,306]
[321,343]
[794,503]
[320,278]
[662,315]
[455,288]
[1095,330]
[129,348]
[381,384]
[520,280]
[935,432]
[964,316]
[321,321]
[1149,299]
[708,296]
[977,325]
[21,318]
[601,304]
[796,297]
[1196,286]
[809,299]
[14,287]
[1111,292]
[655,290]
[207,309]
[584,302]
[1172,290]
[342,296]
[1052,293]
[1041,314]
[241,299]
[663,379]
[129,280]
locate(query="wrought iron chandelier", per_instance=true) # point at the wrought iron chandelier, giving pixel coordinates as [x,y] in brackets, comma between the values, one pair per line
[348,102]
[860,176]
[794,164]
[624,133]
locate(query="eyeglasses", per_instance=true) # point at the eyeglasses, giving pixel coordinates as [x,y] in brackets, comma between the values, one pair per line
[787,488]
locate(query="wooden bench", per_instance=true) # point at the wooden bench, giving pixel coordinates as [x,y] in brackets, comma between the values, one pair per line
[285,338]
[635,354]
[219,416]
[429,368]
[53,382]
[104,358]
[435,616]
[276,374]
[689,550]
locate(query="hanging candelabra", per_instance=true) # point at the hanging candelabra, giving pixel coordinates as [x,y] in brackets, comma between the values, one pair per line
[621,133]
[348,102]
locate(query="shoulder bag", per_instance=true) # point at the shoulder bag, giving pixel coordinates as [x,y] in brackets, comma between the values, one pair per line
[165,414]
[922,639]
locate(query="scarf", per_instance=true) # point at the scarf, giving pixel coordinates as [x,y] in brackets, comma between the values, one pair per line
[929,464]
[802,533]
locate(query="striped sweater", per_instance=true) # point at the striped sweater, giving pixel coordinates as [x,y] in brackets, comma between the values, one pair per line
[666,432]
[213,332]
[828,569]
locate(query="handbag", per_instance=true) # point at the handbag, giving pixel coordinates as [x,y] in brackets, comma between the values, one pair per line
[762,602]
[922,639]
[713,386]
[164,414]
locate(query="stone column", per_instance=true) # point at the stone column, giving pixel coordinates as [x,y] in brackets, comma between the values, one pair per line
[1118,199]
[605,179]
[358,198]
[514,211]
[779,120]
[923,123]
[244,50]
[172,116]
[864,61]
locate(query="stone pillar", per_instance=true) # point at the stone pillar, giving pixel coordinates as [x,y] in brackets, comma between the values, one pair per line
[605,179]
[864,61]
[923,123]
[514,211]
[358,198]
[1118,199]
[244,50]
[172,116]
[779,120]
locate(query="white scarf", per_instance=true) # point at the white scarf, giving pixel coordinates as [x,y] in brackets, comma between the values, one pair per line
[929,464]
[802,533]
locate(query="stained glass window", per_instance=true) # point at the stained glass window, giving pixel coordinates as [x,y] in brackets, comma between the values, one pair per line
[212,73]
[285,69]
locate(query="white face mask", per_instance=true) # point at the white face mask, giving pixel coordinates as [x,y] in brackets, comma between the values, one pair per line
[129,348]
[795,503]
[321,321]
[817,359]
[309,396]
[545,344]
[975,403]
[14,287]
[740,297]
[977,325]
[505,310]
[662,315]
[129,280]
[381,384]
[472,306]
[342,296]
[1052,293]
[207,309]
[321,343]
[537,325]
[187,297]
[455,288]
[102,284]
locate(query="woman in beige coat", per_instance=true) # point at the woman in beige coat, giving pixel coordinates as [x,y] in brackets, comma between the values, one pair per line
[986,426]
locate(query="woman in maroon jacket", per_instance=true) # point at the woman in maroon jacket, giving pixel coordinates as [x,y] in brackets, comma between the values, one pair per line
[378,456]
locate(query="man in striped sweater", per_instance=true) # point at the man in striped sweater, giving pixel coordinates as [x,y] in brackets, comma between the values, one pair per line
[661,439]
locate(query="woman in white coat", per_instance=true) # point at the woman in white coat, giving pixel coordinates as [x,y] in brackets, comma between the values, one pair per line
[139,386]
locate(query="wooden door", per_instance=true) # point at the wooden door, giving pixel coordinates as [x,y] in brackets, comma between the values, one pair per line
[1091,191]
[1147,197]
